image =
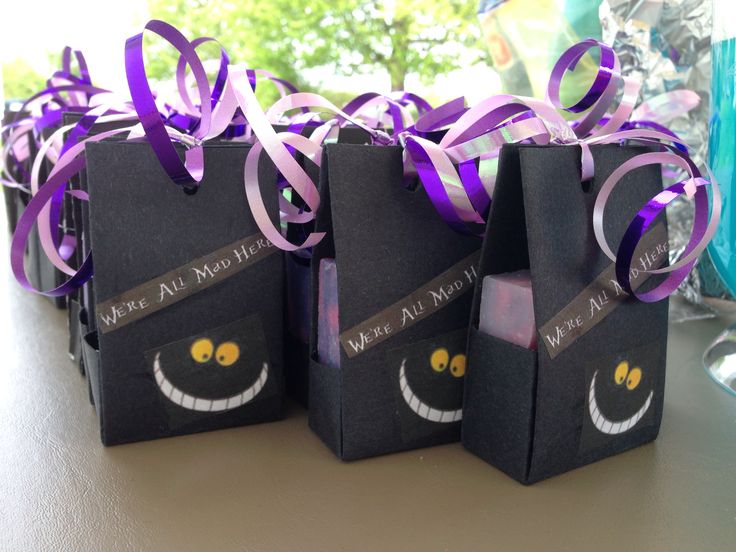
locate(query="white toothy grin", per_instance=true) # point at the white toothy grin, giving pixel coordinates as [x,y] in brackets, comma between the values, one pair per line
[199,404]
[603,424]
[423,409]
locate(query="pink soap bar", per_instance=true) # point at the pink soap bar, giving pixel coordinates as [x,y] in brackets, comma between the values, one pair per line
[506,308]
[328,327]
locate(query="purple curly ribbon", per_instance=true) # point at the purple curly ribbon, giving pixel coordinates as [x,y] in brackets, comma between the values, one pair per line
[476,135]
[452,149]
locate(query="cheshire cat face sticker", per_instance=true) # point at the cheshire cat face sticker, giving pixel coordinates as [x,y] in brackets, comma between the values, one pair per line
[622,398]
[216,371]
[428,380]
[618,408]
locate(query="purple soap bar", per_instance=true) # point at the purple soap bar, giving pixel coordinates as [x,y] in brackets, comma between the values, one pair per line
[328,327]
[506,308]
[298,274]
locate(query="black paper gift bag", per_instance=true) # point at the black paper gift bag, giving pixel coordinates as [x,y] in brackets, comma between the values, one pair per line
[594,387]
[404,279]
[38,267]
[188,296]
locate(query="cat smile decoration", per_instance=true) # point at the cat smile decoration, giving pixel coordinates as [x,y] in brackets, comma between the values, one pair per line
[626,380]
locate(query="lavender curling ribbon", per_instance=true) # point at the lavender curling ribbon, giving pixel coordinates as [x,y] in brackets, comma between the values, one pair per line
[50,103]
[70,162]
[510,119]
[211,118]
[188,174]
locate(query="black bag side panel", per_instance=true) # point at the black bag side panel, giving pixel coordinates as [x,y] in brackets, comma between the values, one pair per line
[325,383]
[296,355]
[498,410]
[564,259]
[91,356]
[11,209]
[500,386]
[141,225]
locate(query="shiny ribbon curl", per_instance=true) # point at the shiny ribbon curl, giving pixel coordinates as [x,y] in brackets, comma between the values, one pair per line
[189,173]
[214,114]
[44,207]
[435,144]
[65,91]
[604,116]
[275,146]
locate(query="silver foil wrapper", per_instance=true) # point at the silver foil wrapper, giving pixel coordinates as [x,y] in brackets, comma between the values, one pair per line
[665,44]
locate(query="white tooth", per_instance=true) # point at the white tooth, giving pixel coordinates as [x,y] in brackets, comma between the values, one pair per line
[407,395]
[414,403]
[458,415]
[202,405]
[219,405]
[607,427]
[423,410]
[626,424]
[446,417]
[187,402]
[434,415]
[247,395]
[166,388]
[176,396]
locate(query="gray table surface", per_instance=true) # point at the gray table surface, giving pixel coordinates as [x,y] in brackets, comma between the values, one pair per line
[275,487]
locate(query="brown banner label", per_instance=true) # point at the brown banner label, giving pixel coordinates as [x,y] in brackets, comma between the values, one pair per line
[406,312]
[601,297]
[182,282]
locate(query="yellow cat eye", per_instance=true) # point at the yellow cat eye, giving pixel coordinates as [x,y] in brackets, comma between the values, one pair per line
[457,366]
[622,370]
[439,359]
[634,378]
[201,350]
[227,354]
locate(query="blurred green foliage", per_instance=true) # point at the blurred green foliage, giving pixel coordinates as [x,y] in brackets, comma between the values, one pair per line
[288,37]
[20,80]
[345,36]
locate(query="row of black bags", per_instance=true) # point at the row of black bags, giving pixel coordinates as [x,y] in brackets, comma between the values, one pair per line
[174,371]
[195,321]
